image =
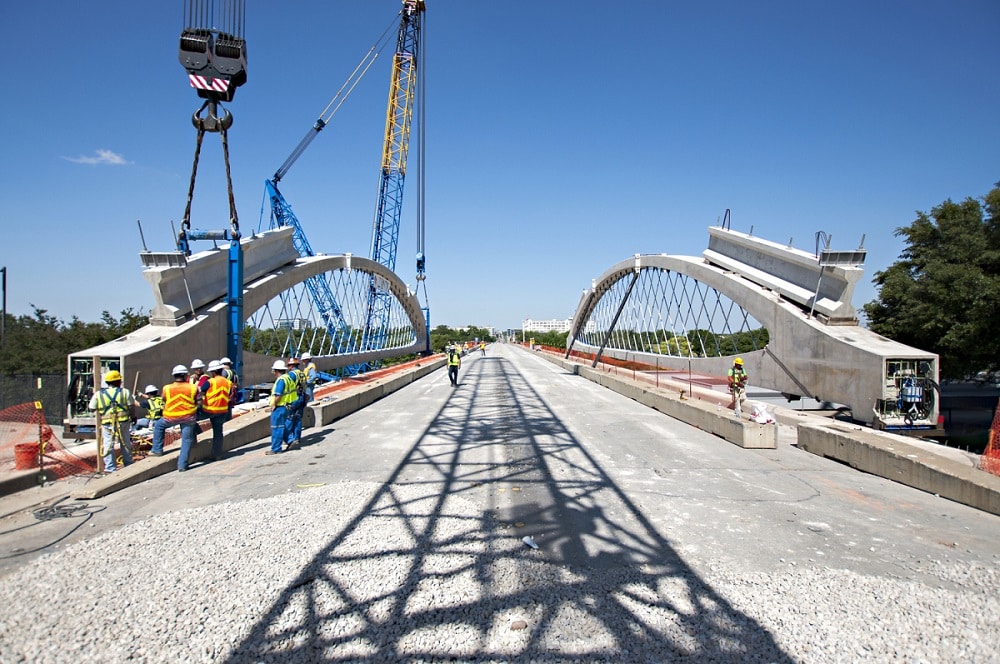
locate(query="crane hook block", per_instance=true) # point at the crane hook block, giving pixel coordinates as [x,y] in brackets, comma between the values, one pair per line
[216,62]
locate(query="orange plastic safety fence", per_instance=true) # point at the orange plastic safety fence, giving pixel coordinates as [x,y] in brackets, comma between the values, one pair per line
[28,443]
[990,461]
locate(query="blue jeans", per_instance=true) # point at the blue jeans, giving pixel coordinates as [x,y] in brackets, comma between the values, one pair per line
[108,440]
[217,422]
[278,425]
[159,426]
[293,428]
[189,432]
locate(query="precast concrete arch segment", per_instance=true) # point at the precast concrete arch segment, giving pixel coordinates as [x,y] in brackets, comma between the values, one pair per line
[842,364]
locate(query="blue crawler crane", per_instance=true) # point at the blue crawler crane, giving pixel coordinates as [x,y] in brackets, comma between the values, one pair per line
[385,236]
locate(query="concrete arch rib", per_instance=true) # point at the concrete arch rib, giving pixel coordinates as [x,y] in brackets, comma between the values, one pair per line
[263,290]
[843,364]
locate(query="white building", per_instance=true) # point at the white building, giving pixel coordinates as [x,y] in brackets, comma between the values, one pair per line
[554,325]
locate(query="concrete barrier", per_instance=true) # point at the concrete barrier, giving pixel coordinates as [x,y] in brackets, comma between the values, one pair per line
[706,416]
[893,457]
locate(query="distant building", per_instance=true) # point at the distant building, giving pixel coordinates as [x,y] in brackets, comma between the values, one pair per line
[554,325]
[294,324]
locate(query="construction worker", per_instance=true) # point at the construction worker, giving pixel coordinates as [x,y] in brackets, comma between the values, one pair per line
[153,403]
[293,429]
[482,347]
[230,374]
[113,405]
[283,394]
[454,362]
[216,404]
[198,376]
[737,385]
[311,374]
[181,400]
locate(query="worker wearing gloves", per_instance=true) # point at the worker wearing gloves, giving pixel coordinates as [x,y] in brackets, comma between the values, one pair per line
[283,395]
[113,405]
[216,404]
[181,400]
[153,403]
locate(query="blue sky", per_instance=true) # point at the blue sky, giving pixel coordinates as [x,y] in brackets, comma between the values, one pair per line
[562,137]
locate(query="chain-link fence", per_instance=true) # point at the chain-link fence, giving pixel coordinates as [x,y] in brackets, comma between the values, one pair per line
[50,389]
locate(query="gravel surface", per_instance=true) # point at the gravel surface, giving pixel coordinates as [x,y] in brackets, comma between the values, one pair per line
[361,571]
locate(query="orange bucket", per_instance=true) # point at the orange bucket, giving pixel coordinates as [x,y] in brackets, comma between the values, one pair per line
[25,456]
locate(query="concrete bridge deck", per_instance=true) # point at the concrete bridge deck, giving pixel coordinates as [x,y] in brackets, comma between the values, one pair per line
[618,497]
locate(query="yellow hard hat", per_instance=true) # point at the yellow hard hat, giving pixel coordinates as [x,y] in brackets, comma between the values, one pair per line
[112,376]
[739,361]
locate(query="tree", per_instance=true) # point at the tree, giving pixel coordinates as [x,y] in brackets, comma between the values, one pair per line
[943,295]
[38,345]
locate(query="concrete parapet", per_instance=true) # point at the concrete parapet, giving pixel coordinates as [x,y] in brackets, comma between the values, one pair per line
[706,416]
[339,404]
[893,457]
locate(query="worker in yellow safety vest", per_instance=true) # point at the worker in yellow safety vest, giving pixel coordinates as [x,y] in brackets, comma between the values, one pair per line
[737,385]
[153,403]
[283,395]
[113,405]
[293,429]
[454,362]
[218,394]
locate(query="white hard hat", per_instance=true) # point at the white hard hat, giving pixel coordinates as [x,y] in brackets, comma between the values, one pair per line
[179,370]
[307,356]
[151,388]
[279,365]
[197,364]
[226,360]
[215,365]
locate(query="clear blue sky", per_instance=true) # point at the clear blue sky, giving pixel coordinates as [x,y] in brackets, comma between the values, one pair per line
[562,137]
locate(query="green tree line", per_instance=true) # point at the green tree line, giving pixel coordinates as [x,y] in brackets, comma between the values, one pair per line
[943,294]
[38,344]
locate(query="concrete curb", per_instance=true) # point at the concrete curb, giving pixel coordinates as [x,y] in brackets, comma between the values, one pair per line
[894,458]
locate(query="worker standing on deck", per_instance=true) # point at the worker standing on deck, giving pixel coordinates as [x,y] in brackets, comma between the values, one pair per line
[181,400]
[282,395]
[293,430]
[216,404]
[113,405]
[198,376]
[230,374]
[454,362]
[311,374]
[737,385]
